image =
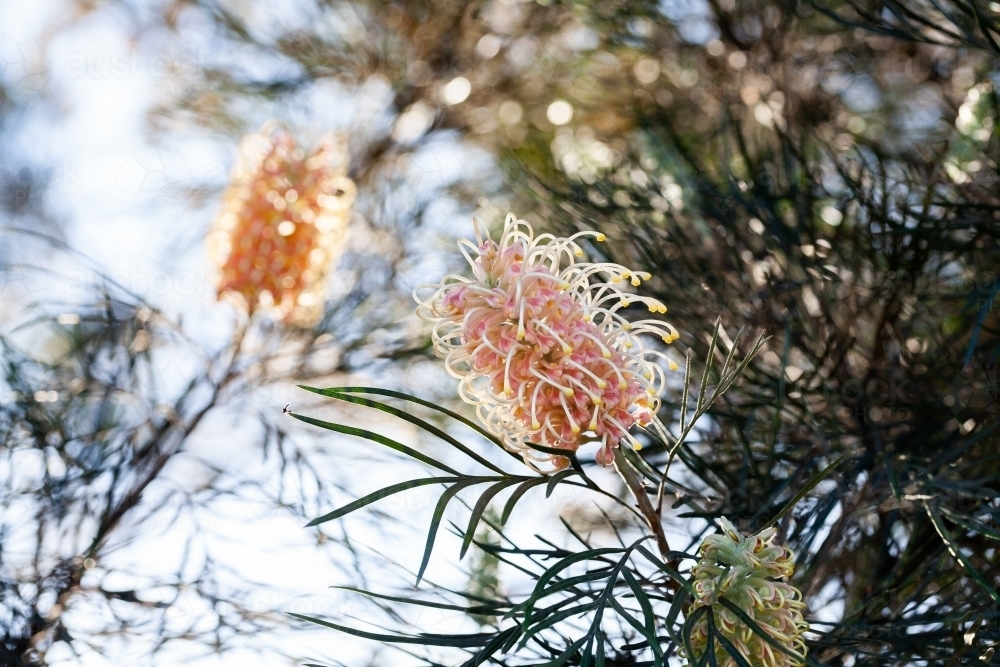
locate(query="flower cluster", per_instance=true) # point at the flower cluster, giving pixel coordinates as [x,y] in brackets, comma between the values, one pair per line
[282,225]
[541,346]
[746,572]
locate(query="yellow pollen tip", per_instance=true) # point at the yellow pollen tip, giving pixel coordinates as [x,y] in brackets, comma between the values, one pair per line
[568,393]
[653,308]
[601,384]
[575,429]
[626,302]
[636,446]
[567,349]
[616,279]
[601,237]
[535,424]
[578,252]
[635,281]
[627,326]
[672,365]
[606,354]
[623,385]
[592,426]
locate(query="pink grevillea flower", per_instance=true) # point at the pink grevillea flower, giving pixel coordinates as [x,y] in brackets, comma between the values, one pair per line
[541,346]
[746,571]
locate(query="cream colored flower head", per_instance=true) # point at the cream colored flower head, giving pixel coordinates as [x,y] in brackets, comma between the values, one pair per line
[541,345]
[748,571]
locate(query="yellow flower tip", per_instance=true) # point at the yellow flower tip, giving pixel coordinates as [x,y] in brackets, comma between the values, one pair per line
[578,252]
[601,237]
[636,446]
[629,345]
[622,384]
[672,365]
[563,285]
[520,333]
[568,393]
[635,281]
[644,275]
[625,303]
[575,429]
[663,308]
[592,426]
[601,384]
[535,424]
[567,349]
[650,391]
[627,326]
[616,278]
[606,354]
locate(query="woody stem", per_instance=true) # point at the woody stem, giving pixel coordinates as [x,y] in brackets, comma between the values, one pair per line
[634,483]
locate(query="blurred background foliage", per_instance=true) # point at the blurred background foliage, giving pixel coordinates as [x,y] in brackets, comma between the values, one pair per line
[822,171]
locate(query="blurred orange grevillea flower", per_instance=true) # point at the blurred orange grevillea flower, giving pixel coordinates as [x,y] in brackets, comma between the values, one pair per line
[283,222]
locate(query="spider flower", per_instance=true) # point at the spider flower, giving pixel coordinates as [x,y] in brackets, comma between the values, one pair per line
[540,344]
[747,571]
[282,225]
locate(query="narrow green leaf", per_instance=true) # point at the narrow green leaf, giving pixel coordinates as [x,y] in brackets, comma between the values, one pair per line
[686,631]
[731,649]
[556,478]
[483,610]
[956,552]
[480,508]
[405,416]
[686,389]
[669,571]
[551,619]
[641,629]
[455,641]
[516,496]
[816,479]
[561,659]
[647,613]
[375,437]
[673,613]
[376,391]
[446,497]
[550,574]
[709,360]
[379,495]
[710,650]
[561,585]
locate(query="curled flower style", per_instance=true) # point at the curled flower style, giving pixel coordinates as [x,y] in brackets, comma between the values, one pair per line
[282,225]
[540,344]
[746,570]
